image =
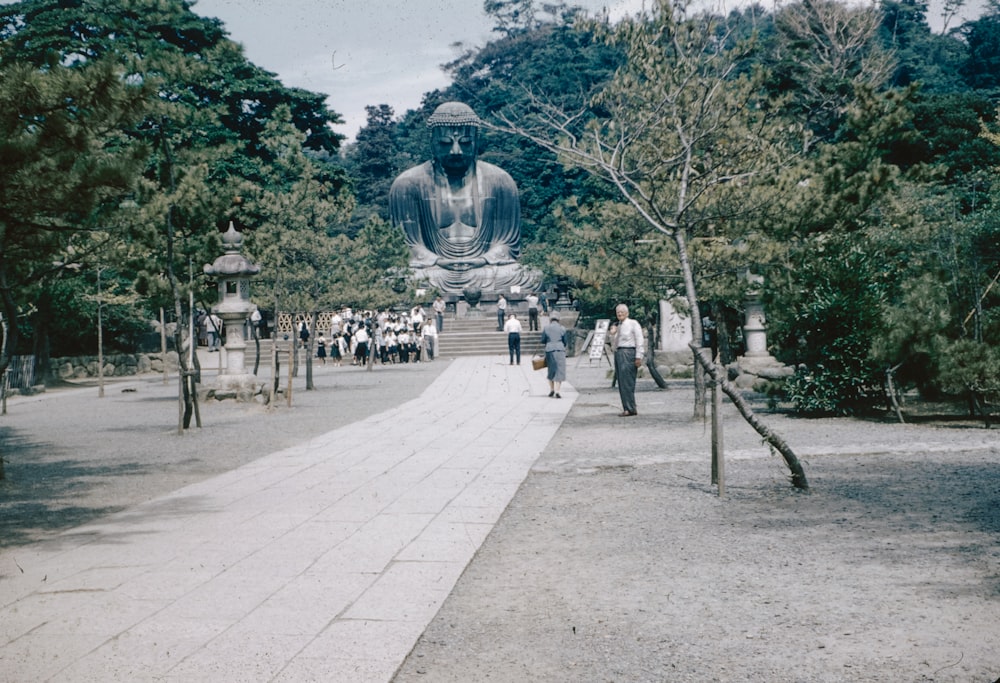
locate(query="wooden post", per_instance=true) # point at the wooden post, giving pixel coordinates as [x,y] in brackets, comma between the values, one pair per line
[100,338]
[163,344]
[718,454]
[180,395]
[193,349]
[275,369]
[774,440]
[288,391]
[5,378]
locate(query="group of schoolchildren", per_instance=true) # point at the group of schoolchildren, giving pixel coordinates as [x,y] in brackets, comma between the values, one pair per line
[386,337]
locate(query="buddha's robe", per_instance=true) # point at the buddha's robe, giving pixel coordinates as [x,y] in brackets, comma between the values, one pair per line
[461,234]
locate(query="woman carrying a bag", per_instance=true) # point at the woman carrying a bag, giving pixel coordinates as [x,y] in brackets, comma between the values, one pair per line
[554,338]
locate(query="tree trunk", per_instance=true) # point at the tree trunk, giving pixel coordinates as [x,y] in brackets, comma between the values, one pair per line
[697,333]
[981,407]
[184,369]
[275,373]
[890,389]
[309,351]
[718,375]
[288,389]
[41,345]
[3,380]
[256,344]
[723,350]
[651,360]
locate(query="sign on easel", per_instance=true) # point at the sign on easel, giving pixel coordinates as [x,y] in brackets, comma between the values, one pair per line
[599,339]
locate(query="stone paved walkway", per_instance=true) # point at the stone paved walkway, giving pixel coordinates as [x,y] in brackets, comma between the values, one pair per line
[321,562]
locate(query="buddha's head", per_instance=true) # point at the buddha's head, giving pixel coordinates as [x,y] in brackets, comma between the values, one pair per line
[454,137]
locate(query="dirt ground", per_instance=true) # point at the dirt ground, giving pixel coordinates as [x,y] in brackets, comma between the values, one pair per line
[618,560]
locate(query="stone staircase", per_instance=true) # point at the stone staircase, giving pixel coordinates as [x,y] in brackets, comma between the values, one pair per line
[479,336]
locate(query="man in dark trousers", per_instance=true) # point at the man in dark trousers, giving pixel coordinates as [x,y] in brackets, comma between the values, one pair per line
[629,346]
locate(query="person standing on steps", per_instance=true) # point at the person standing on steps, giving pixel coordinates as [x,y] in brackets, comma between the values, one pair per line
[629,347]
[554,339]
[513,329]
[439,307]
[532,300]
[501,312]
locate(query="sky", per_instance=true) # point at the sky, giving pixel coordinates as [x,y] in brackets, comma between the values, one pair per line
[363,52]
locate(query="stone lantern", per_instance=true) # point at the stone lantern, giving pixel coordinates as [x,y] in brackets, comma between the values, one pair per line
[233,272]
[757,363]
[755,329]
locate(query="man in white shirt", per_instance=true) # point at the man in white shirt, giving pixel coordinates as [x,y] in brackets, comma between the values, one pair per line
[513,329]
[532,300]
[629,346]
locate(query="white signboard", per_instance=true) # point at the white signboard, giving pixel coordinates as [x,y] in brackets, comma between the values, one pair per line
[599,339]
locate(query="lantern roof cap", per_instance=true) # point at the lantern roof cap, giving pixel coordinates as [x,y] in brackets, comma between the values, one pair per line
[232,263]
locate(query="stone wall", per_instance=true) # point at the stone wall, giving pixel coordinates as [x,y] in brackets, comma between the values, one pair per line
[115,365]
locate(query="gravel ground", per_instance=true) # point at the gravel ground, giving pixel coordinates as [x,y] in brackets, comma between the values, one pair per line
[617,560]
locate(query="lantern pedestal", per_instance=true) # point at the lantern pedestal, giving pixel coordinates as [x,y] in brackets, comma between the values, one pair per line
[757,367]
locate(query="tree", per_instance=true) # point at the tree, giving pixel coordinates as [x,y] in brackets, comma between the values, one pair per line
[681,130]
[206,132]
[511,17]
[983,39]
[373,161]
[376,274]
[294,221]
[63,171]
[921,56]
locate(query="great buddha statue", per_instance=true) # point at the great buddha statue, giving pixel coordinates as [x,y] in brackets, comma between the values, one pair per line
[461,216]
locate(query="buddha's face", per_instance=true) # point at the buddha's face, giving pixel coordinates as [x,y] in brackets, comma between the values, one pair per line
[454,147]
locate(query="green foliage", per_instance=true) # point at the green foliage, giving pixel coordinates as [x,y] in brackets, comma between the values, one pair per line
[64,169]
[607,255]
[982,66]
[827,322]
[74,304]
[376,268]
[215,132]
[922,57]
[968,366]
[914,330]
[373,161]
[835,386]
[295,221]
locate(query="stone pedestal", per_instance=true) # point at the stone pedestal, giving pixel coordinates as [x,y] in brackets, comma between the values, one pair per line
[234,376]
